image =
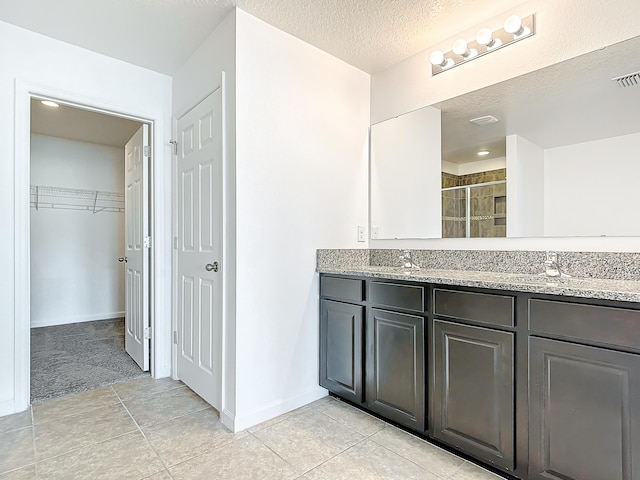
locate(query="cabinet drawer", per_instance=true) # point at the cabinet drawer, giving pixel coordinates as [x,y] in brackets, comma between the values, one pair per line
[614,326]
[345,288]
[477,307]
[406,297]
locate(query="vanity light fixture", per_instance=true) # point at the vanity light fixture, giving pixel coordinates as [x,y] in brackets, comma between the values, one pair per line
[514,29]
[49,103]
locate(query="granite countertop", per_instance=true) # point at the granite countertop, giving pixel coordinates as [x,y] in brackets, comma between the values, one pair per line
[621,290]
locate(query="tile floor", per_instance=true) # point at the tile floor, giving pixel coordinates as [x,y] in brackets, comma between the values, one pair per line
[160,430]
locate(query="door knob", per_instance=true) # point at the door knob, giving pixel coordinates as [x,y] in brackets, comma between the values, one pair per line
[211,266]
[122,259]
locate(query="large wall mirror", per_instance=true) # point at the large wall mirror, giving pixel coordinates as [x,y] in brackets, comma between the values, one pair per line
[555,152]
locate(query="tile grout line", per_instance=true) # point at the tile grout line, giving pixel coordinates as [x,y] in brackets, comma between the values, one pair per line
[387,425]
[164,465]
[276,453]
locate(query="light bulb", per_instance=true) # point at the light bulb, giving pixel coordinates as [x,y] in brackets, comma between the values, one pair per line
[437,58]
[460,47]
[49,103]
[513,25]
[485,37]
[484,153]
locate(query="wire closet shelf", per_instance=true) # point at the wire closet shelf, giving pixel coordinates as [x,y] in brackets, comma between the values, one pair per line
[76,199]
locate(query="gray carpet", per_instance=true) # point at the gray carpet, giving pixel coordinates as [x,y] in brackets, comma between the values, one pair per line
[77,357]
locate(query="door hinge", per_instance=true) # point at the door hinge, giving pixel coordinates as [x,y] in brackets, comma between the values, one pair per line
[175,146]
[146,151]
[147,241]
[175,337]
[147,333]
[175,243]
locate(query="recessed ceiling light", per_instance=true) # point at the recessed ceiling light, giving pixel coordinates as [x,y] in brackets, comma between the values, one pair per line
[49,103]
[486,120]
[484,153]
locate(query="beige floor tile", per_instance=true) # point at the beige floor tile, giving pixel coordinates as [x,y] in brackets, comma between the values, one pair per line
[470,471]
[361,422]
[278,419]
[305,441]
[164,406]
[368,460]
[26,473]
[73,404]
[16,449]
[322,403]
[145,386]
[243,459]
[189,436]
[69,433]
[428,456]
[125,457]
[163,475]
[15,421]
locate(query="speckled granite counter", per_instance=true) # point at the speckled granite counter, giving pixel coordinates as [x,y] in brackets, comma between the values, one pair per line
[606,289]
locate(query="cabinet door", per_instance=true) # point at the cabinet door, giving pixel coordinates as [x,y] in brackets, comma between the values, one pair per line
[474,391]
[341,340]
[584,412]
[395,367]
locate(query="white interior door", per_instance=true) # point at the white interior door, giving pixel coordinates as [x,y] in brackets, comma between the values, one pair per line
[199,309]
[137,248]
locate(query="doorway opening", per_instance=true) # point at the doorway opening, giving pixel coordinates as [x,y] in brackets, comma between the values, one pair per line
[90,248]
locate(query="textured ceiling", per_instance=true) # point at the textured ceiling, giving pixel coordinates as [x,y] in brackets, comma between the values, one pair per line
[161,34]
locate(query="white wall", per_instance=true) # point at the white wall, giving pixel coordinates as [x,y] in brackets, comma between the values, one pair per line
[474,167]
[75,276]
[525,188]
[302,122]
[35,63]
[197,78]
[591,188]
[563,30]
[406,176]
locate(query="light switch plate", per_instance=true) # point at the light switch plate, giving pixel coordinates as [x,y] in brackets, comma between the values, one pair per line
[375,232]
[362,233]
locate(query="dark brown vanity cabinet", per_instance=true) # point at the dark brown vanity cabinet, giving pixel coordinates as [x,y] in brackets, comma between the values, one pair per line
[584,410]
[342,338]
[372,346]
[473,375]
[396,367]
[543,387]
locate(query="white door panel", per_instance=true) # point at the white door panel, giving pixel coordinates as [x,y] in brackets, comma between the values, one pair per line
[137,255]
[200,245]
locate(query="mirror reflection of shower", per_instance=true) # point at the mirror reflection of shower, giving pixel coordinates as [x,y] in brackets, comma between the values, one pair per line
[474,193]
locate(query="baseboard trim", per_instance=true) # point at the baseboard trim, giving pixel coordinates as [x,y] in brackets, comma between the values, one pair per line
[8,407]
[276,408]
[49,322]
[228,419]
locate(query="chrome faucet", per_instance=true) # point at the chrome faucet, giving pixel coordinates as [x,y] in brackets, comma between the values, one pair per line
[552,267]
[407,261]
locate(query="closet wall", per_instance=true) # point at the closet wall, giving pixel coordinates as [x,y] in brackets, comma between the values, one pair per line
[75,275]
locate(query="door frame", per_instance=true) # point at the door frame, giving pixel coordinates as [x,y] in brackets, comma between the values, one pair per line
[24,92]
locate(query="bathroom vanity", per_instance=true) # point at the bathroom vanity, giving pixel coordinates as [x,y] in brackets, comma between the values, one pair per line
[538,378]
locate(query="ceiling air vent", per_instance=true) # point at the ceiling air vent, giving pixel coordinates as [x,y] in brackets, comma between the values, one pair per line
[486,120]
[628,80]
